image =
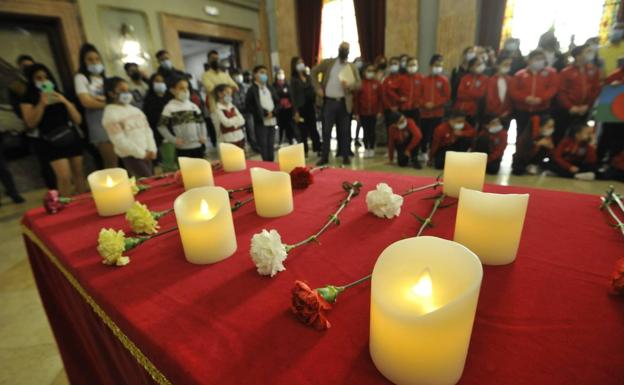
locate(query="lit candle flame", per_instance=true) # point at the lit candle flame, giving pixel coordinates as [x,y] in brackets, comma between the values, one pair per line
[423,288]
[204,210]
[109,181]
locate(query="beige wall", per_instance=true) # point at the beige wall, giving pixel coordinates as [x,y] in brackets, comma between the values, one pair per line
[238,13]
[287,34]
[402,27]
[457,23]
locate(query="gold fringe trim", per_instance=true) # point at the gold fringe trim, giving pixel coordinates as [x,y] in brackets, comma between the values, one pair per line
[126,342]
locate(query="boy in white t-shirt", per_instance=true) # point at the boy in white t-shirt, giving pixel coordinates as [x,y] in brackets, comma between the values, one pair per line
[128,129]
[231,122]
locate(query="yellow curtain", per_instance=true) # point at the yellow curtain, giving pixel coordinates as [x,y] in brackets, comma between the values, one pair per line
[609,16]
[506,29]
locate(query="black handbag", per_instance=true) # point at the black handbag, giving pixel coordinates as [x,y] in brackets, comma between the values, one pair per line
[62,136]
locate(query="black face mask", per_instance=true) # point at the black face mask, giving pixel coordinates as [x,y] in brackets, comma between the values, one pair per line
[135,76]
[214,65]
[382,66]
[343,53]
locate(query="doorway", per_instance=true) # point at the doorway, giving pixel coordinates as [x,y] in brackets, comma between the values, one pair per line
[195,48]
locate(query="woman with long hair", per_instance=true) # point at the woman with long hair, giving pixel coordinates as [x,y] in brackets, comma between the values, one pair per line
[304,110]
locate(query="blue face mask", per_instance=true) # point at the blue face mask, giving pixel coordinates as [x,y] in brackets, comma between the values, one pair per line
[125,98]
[160,87]
[263,78]
[45,86]
[95,69]
[166,64]
[227,99]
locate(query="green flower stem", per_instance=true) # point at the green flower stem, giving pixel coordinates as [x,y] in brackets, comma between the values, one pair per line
[246,189]
[428,221]
[353,190]
[157,177]
[330,292]
[240,204]
[132,242]
[417,189]
[606,204]
[159,214]
[615,197]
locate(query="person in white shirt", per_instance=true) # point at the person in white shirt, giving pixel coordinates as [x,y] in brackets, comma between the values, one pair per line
[181,121]
[262,102]
[231,122]
[128,129]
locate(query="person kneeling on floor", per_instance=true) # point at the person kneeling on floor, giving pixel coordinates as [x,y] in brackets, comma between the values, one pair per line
[453,135]
[534,147]
[404,136]
[575,155]
[493,141]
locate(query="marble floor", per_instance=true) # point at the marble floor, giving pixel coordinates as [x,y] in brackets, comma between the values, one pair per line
[28,354]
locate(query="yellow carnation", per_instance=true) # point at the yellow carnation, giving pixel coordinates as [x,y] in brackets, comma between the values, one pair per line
[141,219]
[111,245]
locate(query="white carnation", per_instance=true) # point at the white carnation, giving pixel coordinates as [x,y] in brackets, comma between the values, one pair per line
[383,202]
[268,252]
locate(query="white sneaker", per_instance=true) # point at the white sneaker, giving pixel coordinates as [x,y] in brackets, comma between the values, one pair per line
[423,157]
[585,175]
[532,169]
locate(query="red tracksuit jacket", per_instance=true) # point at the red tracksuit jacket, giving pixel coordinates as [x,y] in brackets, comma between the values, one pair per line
[391,85]
[570,153]
[617,75]
[578,87]
[444,136]
[494,106]
[470,92]
[543,85]
[396,135]
[437,90]
[498,144]
[410,87]
[368,100]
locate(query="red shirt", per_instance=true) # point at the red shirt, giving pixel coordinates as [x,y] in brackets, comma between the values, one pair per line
[229,114]
[543,84]
[498,144]
[368,100]
[391,85]
[397,135]
[578,86]
[571,153]
[410,87]
[444,136]
[494,104]
[436,90]
[471,90]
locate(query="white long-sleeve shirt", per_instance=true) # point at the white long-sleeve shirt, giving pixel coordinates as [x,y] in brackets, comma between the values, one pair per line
[183,120]
[231,123]
[128,130]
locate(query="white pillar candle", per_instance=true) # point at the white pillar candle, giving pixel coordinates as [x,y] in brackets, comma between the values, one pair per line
[424,294]
[491,224]
[290,157]
[463,169]
[232,157]
[196,172]
[204,218]
[272,192]
[111,191]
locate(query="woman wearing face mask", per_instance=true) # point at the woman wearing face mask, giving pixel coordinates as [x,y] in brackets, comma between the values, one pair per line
[492,141]
[410,89]
[304,100]
[155,100]
[575,155]
[52,121]
[128,129]
[532,89]
[436,93]
[459,71]
[471,91]
[391,86]
[456,134]
[368,107]
[263,103]
[498,100]
[578,89]
[534,146]
[512,50]
[89,85]
[285,120]
[181,122]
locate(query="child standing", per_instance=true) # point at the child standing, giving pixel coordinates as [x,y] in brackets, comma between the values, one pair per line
[456,134]
[492,141]
[533,146]
[436,93]
[368,107]
[575,156]
[231,122]
[404,135]
[128,129]
[181,121]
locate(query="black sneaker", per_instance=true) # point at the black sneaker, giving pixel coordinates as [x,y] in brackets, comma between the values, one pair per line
[417,164]
[17,198]
[346,161]
[322,162]
[357,143]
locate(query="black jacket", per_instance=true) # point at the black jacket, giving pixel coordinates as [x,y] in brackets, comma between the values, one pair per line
[252,102]
[301,93]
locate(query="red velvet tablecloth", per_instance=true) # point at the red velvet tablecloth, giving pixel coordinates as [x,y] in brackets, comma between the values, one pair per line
[545,319]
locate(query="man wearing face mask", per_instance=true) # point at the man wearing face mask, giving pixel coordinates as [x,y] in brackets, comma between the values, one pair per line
[410,89]
[550,45]
[137,84]
[472,90]
[493,142]
[497,100]
[436,94]
[212,78]
[391,87]
[165,65]
[579,87]
[532,89]
[456,134]
[337,95]
[614,49]
[512,50]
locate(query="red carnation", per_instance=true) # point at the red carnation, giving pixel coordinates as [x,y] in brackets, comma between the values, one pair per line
[301,177]
[52,202]
[177,177]
[617,278]
[309,307]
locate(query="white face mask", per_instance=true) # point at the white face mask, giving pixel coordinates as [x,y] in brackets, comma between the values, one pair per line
[458,126]
[125,98]
[547,132]
[227,99]
[300,67]
[281,76]
[183,96]
[495,129]
[394,68]
[589,57]
[470,55]
[412,69]
[504,70]
[437,70]
[480,68]
[402,124]
[537,65]
[370,75]
[238,78]
[160,87]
